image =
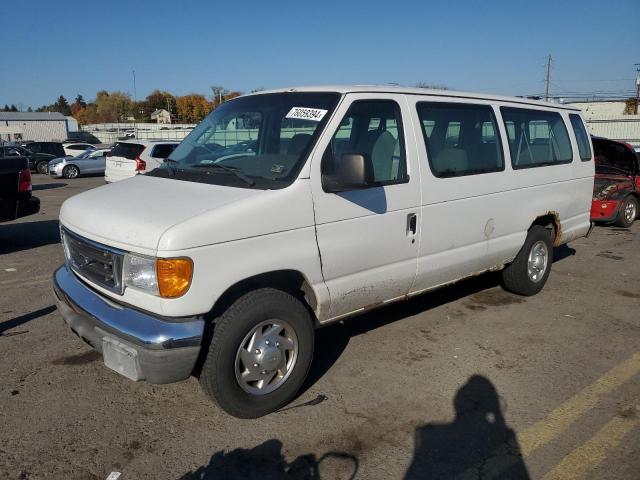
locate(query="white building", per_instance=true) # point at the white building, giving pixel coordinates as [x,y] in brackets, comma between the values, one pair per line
[161,116]
[37,126]
[600,108]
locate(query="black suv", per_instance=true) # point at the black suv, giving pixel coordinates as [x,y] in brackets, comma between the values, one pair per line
[52,148]
[37,161]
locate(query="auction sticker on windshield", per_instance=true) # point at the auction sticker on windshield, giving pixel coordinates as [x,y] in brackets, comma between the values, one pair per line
[303,113]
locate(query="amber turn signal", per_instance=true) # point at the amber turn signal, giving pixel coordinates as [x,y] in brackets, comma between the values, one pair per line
[174,276]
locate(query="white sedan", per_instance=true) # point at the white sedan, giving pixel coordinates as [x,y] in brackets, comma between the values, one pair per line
[75,148]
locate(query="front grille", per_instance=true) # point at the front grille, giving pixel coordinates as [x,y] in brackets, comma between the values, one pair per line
[97,263]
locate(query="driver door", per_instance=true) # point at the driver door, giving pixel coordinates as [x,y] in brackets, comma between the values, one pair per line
[368,238]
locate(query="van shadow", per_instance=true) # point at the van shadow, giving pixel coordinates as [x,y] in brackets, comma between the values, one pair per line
[332,340]
[15,237]
[266,462]
[478,443]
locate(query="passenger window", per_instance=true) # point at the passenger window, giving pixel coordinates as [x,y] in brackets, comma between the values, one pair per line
[373,129]
[163,151]
[460,139]
[582,138]
[536,138]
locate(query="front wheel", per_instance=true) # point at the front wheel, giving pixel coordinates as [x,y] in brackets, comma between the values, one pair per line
[70,171]
[42,167]
[528,273]
[628,212]
[260,353]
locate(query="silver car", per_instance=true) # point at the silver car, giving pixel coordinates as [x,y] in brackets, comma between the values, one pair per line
[89,162]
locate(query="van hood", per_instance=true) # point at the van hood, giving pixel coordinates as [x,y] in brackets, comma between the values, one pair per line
[133,214]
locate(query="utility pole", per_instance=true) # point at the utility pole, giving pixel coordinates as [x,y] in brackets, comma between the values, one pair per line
[135,127]
[637,65]
[548,79]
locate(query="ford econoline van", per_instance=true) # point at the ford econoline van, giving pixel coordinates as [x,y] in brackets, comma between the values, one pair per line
[289,209]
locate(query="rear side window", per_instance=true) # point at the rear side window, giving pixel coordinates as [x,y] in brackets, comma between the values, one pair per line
[461,139]
[536,138]
[34,147]
[582,138]
[127,150]
[163,151]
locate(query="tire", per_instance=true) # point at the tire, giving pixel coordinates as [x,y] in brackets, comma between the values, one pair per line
[628,212]
[517,277]
[70,171]
[42,167]
[232,338]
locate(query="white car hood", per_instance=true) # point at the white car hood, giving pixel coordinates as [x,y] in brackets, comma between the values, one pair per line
[133,214]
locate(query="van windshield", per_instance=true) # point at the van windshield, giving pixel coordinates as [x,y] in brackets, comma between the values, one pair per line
[258,141]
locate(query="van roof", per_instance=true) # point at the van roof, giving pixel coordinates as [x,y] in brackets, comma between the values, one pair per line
[418,91]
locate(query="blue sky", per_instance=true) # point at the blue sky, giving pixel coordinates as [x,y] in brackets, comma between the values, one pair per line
[69,47]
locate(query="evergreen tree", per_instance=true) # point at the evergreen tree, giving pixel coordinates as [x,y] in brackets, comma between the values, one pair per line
[80,101]
[62,106]
[6,108]
[13,108]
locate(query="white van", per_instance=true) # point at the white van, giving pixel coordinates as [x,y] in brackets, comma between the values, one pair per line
[132,157]
[289,209]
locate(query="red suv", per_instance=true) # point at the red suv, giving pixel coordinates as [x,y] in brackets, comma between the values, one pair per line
[616,190]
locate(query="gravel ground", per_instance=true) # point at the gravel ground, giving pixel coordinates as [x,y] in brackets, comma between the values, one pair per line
[466,381]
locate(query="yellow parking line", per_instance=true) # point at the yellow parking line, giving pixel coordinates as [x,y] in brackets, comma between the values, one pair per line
[542,432]
[588,455]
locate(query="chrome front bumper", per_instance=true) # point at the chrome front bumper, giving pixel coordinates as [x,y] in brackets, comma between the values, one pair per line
[136,344]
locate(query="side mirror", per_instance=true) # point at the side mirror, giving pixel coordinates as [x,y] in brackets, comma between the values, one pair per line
[351,174]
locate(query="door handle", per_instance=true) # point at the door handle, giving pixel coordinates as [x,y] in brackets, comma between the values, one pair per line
[412,224]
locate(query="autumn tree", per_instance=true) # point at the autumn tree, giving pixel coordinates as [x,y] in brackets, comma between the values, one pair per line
[112,107]
[192,108]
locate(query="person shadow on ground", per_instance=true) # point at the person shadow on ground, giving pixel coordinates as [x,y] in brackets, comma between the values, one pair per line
[266,462]
[476,444]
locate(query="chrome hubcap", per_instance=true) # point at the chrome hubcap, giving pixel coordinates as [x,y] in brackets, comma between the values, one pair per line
[538,259]
[266,356]
[73,173]
[630,211]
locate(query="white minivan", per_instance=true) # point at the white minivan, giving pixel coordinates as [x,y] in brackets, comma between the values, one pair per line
[289,209]
[132,157]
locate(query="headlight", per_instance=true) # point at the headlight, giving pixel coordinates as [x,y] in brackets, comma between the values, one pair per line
[65,245]
[164,277]
[140,273]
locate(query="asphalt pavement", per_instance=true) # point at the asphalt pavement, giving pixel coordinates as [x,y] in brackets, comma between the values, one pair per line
[465,382]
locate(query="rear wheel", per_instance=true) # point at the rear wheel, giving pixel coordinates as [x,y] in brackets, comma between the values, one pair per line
[260,353]
[42,167]
[70,171]
[528,273]
[628,212]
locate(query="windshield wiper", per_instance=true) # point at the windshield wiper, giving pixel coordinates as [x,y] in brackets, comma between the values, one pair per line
[234,171]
